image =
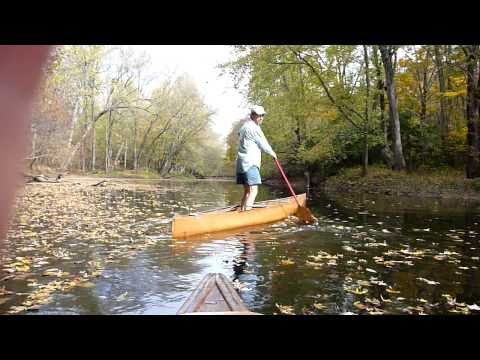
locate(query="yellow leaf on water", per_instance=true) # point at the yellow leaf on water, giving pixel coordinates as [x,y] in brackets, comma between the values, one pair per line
[86,284]
[313,264]
[319,306]
[358,291]
[285,309]
[287,262]
[391,291]
[23,268]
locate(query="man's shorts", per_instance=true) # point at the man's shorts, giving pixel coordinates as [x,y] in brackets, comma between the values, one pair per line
[251,177]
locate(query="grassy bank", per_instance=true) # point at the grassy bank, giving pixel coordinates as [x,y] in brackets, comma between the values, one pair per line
[448,183]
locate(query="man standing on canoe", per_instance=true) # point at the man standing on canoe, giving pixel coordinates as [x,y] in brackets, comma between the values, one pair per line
[249,156]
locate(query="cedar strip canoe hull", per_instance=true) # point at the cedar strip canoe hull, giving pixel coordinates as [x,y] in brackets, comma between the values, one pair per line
[214,296]
[215,221]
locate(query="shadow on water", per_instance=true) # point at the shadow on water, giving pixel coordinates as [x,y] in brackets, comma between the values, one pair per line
[367,254]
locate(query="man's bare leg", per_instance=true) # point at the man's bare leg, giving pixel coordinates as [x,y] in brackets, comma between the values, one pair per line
[246,193]
[251,197]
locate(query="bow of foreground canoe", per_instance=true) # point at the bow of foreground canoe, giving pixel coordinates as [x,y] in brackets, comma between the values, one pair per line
[228,219]
[214,295]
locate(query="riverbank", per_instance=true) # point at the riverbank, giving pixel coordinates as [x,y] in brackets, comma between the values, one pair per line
[382,181]
[130,174]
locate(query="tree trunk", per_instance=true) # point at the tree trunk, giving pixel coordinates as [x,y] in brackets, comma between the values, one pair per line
[94,141]
[73,122]
[399,160]
[117,157]
[84,150]
[94,133]
[472,111]
[135,165]
[381,102]
[125,156]
[442,88]
[111,120]
[85,133]
[423,97]
[107,142]
[365,124]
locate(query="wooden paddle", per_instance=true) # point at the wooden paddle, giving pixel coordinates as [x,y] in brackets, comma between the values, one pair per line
[303,213]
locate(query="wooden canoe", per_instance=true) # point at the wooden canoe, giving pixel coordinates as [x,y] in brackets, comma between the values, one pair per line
[227,219]
[214,296]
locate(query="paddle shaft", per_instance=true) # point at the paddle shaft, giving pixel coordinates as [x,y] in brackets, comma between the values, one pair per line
[286,180]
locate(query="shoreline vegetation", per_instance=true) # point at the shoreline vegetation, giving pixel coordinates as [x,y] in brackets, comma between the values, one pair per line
[438,183]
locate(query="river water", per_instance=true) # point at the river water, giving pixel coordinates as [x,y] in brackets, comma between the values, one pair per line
[366,255]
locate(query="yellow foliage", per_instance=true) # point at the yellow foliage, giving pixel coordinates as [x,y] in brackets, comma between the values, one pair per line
[451,94]
[456,140]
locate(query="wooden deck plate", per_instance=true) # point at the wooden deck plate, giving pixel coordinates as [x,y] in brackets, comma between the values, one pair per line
[214,295]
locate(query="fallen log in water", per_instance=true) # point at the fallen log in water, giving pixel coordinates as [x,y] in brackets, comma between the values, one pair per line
[100,183]
[43,179]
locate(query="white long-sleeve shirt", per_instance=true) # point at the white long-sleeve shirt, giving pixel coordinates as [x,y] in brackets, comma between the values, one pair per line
[252,143]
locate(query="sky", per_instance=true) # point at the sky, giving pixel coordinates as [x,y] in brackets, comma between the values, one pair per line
[200,62]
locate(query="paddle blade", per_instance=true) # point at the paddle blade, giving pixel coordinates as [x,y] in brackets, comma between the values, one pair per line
[305,215]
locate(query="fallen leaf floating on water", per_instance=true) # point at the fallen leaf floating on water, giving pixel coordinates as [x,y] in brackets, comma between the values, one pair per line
[322,255]
[287,262]
[357,291]
[123,296]
[392,291]
[4,292]
[474,307]
[285,309]
[385,300]
[373,301]
[314,264]
[378,282]
[375,311]
[363,283]
[349,248]
[414,253]
[430,282]
[319,306]
[86,284]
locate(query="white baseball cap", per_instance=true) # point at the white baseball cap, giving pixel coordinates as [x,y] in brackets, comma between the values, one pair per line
[257,109]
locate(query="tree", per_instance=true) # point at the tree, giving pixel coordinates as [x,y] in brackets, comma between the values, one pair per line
[387,52]
[472,57]
[439,62]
